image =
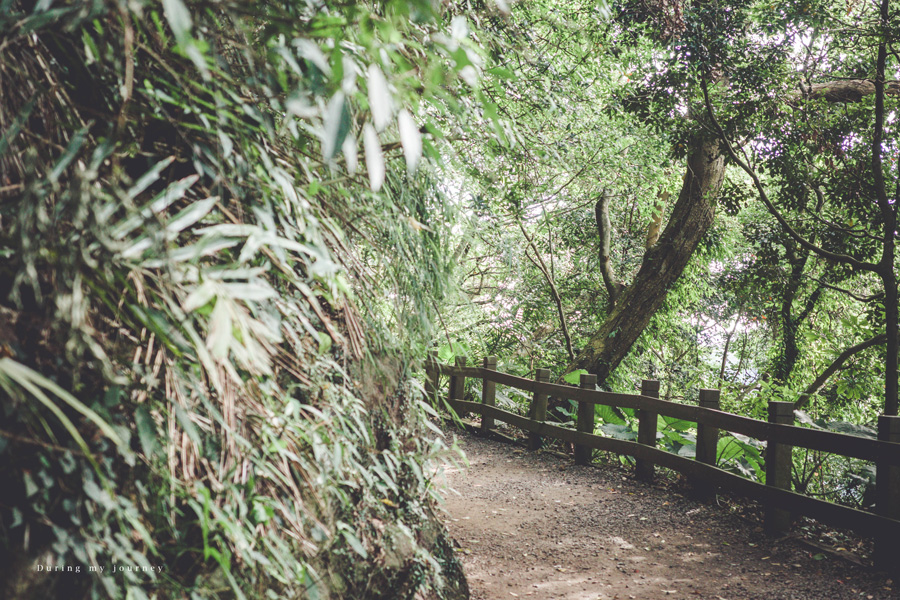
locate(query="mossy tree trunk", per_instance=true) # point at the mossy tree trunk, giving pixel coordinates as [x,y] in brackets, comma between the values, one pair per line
[663,263]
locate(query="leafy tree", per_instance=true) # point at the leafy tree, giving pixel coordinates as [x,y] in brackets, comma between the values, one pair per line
[831,154]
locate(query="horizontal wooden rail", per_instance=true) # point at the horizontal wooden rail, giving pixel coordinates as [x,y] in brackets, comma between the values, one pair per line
[779,433]
[803,437]
[826,512]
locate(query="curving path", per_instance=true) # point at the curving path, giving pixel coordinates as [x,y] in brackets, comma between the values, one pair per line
[532,525]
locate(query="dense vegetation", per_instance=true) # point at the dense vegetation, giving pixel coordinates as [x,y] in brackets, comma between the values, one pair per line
[208,319]
[232,230]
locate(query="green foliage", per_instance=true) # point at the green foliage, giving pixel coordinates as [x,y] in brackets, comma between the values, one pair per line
[212,322]
[574,377]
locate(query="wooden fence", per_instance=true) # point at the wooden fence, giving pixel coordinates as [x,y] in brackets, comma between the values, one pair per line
[779,433]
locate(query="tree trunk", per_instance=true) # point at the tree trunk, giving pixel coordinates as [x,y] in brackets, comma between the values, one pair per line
[663,264]
[889,217]
[604,232]
[789,352]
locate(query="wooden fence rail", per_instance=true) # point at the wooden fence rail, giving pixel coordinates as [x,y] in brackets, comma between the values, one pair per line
[779,433]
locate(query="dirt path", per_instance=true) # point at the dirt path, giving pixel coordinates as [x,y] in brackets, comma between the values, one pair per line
[535,526]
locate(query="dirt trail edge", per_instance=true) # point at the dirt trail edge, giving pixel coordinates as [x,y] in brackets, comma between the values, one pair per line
[532,525]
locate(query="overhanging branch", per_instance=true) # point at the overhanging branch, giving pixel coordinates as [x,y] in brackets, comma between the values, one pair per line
[744,165]
[835,366]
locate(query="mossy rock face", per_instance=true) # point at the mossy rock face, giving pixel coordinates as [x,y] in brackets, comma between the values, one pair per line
[417,564]
[456,587]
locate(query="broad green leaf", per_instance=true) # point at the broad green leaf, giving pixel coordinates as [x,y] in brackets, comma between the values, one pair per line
[852,429]
[677,438]
[688,451]
[574,377]
[676,424]
[608,414]
[803,417]
[619,432]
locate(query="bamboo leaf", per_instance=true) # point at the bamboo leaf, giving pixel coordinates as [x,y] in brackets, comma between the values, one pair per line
[190,215]
[175,191]
[351,153]
[68,156]
[146,429]
[374,157]
[379,98]
[337,124]
[13,129]
[148,178]
[200,296]
[30,379]
[179,18]
[411,140]
[311,52]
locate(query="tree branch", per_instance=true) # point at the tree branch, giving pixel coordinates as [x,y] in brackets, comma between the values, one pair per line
[844,258]
[554,292]
[604,227]
[846,90]
[810,305]
[835,366]
[848,292]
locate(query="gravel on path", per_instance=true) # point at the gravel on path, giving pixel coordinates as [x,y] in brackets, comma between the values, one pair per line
[533,525]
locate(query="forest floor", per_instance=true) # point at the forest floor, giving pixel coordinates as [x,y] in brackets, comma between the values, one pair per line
[533,525]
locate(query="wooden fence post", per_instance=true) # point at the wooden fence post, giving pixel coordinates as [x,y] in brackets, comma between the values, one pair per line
[488,394]
[432,376]
[538,410]
[647,426]
[707,444]
[778,467]
[458,386]
[585,422]
[887,498]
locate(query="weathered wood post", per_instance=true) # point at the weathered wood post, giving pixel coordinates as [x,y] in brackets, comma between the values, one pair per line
[488,395]
[458,386]
[432,376]
[647,426]
[585,422]
[538,410]
[887,498]
[707,444]
[778,467]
